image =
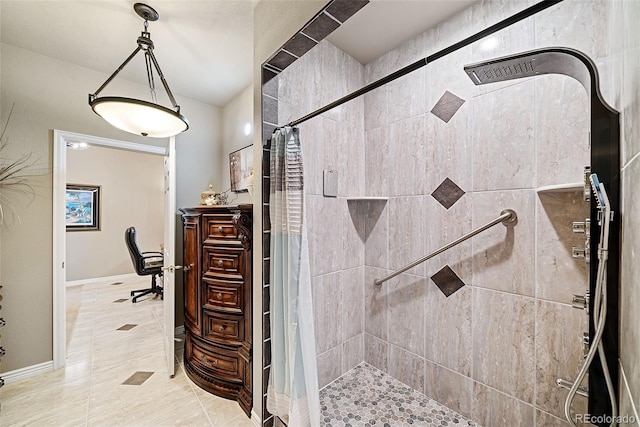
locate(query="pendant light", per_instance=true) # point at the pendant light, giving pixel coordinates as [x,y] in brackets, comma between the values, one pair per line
[134,115]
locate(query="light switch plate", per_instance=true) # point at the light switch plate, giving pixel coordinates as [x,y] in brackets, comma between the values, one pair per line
[330,183]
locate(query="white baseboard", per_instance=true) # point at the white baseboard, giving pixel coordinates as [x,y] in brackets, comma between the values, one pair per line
[255,419]
[27,372]
[101,279]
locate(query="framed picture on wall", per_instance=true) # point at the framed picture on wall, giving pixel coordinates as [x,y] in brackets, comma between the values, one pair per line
[241,168]
[82,207]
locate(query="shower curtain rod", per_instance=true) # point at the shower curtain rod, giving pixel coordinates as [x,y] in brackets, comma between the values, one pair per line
[532,10]
[507,216]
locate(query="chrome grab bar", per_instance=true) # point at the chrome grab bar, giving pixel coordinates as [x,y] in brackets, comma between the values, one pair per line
[507,216]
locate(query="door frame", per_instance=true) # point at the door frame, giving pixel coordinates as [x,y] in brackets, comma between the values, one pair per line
[60,140]
[169,256]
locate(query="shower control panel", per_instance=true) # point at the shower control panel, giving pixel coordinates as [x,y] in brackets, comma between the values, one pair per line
[585,344]
[579,252]
[583,227]
[579,227]
[581,301]
[586,192]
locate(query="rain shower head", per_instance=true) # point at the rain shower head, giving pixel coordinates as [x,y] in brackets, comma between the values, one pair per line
[532,63]
[490,72]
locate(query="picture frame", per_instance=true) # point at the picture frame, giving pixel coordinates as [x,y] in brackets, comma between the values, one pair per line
[82,207]
[241,168]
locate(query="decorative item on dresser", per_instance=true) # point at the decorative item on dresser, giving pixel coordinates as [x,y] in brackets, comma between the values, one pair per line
[217,300]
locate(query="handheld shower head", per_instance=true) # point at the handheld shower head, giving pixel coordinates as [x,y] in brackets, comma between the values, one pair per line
[602,200]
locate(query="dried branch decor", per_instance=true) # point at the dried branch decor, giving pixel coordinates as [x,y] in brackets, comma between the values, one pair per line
[14,178]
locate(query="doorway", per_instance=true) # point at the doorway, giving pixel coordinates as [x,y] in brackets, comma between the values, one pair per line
[61,139]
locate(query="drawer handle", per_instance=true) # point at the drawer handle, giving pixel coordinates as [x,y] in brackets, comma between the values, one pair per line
[219,295]
[220,263]
[208,362]
[221,328]
[220,229]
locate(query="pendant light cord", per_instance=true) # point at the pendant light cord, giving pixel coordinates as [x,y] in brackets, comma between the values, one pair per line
[152,85]
[149,64]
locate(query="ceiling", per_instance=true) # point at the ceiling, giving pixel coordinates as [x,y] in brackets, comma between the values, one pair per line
[204,47]
[383,25]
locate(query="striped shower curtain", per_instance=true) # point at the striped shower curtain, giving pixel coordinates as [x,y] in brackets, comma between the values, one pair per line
[292,393]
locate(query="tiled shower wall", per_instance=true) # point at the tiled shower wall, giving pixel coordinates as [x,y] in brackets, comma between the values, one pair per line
[333,141]
[450,156]
[627,84]
[493,349]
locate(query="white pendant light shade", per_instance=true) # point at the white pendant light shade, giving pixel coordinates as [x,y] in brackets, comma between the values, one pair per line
[135,115]
[140,117]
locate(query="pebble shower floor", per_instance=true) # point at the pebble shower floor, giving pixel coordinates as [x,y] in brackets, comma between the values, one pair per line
[366,396]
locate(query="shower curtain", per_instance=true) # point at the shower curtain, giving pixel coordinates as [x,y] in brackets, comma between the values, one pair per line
[292,393]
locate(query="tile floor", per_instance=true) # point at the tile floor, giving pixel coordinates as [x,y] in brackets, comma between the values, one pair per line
[366,397]
[89,391]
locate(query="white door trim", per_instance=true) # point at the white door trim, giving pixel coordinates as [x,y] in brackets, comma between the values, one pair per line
[169,249]
[60,140]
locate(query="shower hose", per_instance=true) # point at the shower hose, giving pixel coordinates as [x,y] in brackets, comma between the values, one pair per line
[599,306]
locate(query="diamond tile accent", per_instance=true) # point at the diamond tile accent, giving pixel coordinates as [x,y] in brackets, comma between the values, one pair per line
[366,396]
[121,300]
[447,281]
[447,193]
[137,378]
[447,106]
[126,327]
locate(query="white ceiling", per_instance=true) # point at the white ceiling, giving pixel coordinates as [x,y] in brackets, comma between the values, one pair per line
[204,48]
[383,25]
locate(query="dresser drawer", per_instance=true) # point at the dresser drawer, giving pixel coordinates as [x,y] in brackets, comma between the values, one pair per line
[223,328]
[217,227]
[216,360]
[223,296]
[223,263]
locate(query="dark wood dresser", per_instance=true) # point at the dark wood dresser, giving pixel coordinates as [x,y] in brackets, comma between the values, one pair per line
[217,300]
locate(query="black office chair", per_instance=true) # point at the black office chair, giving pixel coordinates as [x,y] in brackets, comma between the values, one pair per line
[145,264]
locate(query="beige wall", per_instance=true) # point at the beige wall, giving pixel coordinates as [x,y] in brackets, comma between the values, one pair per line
[131,195]
[235,115]
[51,94]
[198,157]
